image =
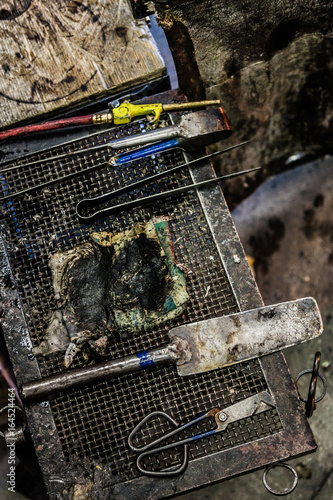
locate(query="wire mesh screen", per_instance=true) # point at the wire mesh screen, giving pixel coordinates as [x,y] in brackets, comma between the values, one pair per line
[94,422]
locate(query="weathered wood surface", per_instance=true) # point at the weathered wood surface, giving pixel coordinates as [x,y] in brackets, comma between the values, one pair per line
[269,62]
[57,53]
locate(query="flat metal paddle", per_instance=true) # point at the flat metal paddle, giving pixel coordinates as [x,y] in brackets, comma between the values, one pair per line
[203,346]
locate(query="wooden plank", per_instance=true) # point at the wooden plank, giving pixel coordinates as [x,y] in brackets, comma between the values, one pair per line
[58,53]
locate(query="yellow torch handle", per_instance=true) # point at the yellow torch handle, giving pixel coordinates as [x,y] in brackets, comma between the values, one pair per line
[127,111]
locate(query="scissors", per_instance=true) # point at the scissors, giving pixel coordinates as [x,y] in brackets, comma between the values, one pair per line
[250,406]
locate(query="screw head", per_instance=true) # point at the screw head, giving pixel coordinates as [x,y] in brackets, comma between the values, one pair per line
[223,417]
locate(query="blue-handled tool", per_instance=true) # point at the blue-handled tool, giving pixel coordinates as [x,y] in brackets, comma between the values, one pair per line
[139,153]
[193,131]
[86,217]
[253,405]
[203,346]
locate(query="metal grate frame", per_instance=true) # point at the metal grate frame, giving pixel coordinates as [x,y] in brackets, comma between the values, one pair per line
[81,436]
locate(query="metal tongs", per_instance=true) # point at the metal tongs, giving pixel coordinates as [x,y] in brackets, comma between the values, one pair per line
[253,405]
[92,203]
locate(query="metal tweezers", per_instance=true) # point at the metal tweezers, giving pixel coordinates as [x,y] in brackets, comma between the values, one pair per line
[253,405]
[87,203]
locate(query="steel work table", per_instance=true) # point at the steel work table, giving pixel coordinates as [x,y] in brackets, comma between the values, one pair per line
[80,436]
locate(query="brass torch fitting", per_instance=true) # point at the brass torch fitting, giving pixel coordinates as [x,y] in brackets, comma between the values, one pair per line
[102,118]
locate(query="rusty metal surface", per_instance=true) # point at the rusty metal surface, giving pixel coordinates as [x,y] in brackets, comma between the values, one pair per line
[13,322]
[81,435]
[41,425]
[293,439]
[219,342]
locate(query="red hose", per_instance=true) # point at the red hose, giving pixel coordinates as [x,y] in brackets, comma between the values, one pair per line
[52,125]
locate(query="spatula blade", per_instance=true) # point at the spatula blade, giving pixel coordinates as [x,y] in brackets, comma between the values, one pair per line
[226,340]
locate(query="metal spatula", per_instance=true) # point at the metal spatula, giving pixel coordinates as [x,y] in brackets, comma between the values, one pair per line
[204,346]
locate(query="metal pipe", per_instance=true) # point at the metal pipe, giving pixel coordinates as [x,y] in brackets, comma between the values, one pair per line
[40,389]
[190,105]
[160,134]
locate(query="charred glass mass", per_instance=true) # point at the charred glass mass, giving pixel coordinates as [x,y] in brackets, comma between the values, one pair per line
[115,284]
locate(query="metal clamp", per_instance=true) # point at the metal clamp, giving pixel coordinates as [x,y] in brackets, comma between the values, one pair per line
[310,402]
[281,492]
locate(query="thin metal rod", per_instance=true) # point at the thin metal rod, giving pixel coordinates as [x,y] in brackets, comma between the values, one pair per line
[90,202]
[65,155]
[190,105]
[53,158]
[176,191]
[40,389]
[73,174]
[91,169]
[157,197]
